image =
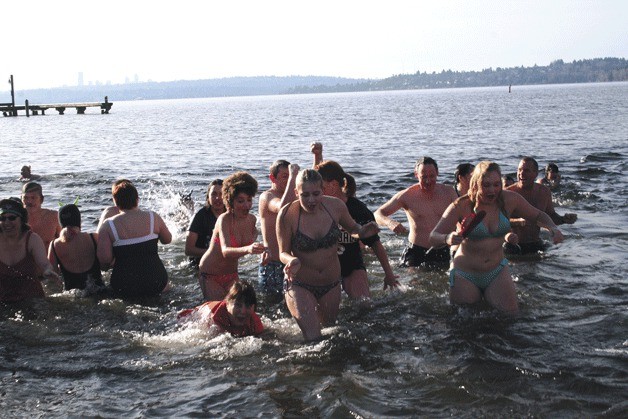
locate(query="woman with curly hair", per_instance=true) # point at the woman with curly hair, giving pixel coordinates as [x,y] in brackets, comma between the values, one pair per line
[234,236]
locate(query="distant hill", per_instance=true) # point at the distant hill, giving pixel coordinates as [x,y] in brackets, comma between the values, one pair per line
[231,86]
[581,71]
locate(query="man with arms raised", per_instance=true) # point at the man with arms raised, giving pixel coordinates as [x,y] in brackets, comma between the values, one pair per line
[540,197]
[43,221]
[282,191]
[424,204]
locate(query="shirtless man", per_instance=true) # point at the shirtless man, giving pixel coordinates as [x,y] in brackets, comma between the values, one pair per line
[43,221]
[424,204]
[539,196]
[282,191]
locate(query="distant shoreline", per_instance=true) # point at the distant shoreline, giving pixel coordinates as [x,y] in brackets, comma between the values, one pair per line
[558,72]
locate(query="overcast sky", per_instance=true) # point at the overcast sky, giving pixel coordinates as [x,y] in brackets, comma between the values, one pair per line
[50,42]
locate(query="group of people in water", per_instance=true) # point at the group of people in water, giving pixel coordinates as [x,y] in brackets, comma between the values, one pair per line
[313,230]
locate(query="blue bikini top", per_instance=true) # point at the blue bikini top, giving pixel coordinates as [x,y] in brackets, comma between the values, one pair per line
[481,231]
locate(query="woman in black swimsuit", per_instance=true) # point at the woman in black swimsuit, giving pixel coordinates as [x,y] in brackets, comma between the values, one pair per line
[74,252]
[308,234]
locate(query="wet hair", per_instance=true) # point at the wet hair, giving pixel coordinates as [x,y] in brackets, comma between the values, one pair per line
[462,170]
[331,170]
[531,160]
[215,182]
[309,175]
[277,165]
[12,206]
[508,180]
[425,161]
[479,173]
[242,291]
[124,194]
[237,183]
[32,187]
[551,167]
[69,216]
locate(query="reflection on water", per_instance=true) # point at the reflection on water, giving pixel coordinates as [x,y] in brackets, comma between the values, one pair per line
[411,353]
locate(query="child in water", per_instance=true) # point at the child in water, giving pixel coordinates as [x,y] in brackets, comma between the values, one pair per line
[235,314]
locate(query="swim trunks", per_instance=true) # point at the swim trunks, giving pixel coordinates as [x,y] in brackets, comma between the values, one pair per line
[414,255]
[525,248]
[271,277]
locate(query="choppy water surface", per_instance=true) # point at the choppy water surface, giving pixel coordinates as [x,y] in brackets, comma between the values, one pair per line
[412,353]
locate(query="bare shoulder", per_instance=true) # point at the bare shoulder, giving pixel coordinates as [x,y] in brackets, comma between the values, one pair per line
[331,202]
[446,191]
[542,190]
[267,196]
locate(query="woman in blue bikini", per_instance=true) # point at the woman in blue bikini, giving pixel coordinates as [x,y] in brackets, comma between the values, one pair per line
[479,266]
[307,231]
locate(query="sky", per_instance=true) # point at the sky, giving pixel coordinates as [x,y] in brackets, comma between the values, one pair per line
[115,41]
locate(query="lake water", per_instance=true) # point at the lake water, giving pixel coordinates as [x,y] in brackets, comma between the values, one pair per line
[412,353]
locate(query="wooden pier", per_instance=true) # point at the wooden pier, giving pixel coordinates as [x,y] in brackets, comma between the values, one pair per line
[11,109]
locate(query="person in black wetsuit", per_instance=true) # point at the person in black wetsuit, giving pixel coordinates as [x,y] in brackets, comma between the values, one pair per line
[202,226]
[74,252]
[338,183]
[128,242]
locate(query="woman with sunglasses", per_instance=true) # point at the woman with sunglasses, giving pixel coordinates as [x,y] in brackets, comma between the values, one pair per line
[23,258]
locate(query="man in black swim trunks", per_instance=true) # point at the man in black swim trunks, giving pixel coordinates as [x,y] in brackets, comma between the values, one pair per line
[539,196]
[424,204]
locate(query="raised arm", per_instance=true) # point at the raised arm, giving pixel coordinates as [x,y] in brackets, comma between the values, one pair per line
[317,152]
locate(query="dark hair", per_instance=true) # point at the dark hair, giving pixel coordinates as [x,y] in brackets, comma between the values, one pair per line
[15,207]
[215,182]
[33,187]
[124,194]
[274,168]
[69,216]
[531,160]
[462,170]
[551,167]
[331,170]
[237,183]
[242,291]
[425,161]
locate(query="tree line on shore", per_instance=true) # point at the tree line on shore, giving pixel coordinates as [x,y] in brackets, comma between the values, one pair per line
[558,72]
[578,71]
